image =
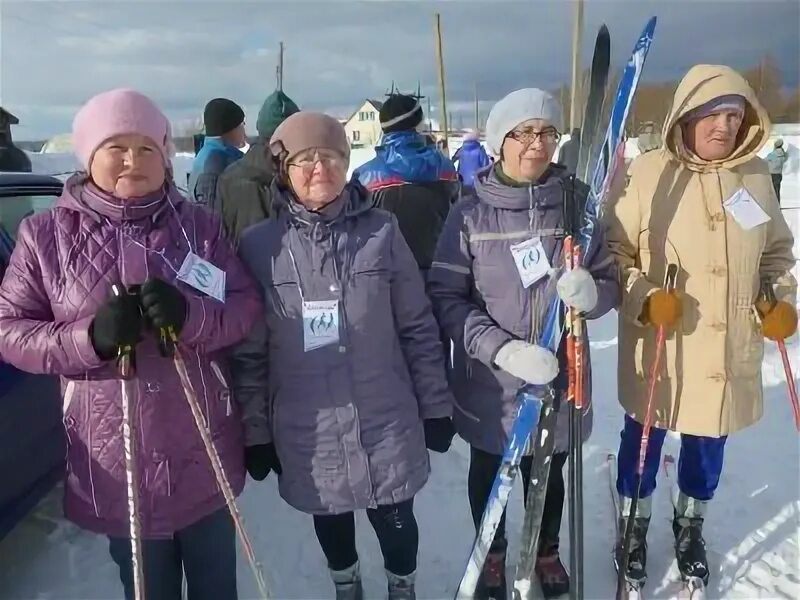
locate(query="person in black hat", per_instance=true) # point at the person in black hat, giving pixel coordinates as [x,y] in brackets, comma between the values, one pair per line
[410,177]
[225,135]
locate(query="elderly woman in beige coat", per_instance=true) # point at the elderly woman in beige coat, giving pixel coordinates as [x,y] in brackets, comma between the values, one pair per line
[705,203]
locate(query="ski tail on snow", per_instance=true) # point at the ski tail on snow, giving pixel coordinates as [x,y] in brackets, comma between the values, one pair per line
[528,415]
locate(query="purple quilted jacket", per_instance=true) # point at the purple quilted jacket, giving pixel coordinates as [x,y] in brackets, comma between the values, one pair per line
[61,271]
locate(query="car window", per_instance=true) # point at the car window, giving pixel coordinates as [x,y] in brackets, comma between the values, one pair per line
[15,208]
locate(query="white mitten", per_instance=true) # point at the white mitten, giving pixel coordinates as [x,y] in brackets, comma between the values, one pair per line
[529,362]
[577,289]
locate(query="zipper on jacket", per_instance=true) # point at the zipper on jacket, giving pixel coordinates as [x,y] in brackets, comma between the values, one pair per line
[371,501]
[337,274]
[531,216]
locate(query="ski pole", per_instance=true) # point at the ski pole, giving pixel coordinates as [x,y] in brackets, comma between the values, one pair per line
[661,336]
[769,295]
[577,408]
[787,367]
[126,366]
[168,335]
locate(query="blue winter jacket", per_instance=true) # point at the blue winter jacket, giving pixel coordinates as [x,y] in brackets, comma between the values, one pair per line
[471,158]
[415,182]
[214,157]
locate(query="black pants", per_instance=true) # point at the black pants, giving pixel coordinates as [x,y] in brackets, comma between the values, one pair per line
[482,471]
[394,525]
[776,183]
[205,551]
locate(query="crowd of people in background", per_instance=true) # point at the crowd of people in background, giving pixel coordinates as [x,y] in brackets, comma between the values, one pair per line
[344,327]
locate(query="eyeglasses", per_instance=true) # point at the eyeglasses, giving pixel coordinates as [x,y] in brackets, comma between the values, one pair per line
[529,135]
[308,164]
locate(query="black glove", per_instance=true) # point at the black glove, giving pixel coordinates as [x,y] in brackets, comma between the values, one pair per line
[260,460]
[439,433]
[116,323]
[163,305]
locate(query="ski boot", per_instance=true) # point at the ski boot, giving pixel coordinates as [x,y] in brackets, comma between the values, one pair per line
[690,547]
[552,575]
[492,582]
[348,583]
[401,587]
[636,572]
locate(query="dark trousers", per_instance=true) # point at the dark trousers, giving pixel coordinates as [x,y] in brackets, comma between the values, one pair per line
[205,551]
[776,183]
[395,526]
[482,471]
[699,466]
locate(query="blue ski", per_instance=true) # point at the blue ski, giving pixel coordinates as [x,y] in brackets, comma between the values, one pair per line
[530,407]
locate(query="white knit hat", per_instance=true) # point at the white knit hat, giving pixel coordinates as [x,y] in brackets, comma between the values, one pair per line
[518,107]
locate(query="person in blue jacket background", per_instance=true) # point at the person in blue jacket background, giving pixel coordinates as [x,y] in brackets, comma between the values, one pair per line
[470,158]
[225,136]
[410,178]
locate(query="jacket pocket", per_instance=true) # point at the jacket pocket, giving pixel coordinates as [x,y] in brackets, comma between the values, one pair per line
[746,346]
[225,391]
[280,294]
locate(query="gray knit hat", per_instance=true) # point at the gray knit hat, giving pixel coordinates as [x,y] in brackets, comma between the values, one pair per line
[518,107]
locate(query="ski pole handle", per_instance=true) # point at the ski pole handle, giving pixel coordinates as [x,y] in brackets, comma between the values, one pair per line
[126,354]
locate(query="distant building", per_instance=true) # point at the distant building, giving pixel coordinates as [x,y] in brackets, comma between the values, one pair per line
[363,128]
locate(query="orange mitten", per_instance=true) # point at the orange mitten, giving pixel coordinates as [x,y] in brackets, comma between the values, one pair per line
[663,308]
[778,320]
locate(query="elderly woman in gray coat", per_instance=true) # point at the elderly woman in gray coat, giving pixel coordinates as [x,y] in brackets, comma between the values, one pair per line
[346,371]
[491,301]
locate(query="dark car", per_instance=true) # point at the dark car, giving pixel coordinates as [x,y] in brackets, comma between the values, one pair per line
[32,438]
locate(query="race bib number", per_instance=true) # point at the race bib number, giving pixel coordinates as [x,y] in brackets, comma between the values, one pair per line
[203,276]
[531,260]
[320,324]
[745,210]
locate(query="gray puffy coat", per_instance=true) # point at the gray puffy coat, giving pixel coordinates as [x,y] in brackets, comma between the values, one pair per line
[481,303]
[346,418]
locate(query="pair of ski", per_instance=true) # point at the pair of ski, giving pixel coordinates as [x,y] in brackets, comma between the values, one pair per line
[537,408]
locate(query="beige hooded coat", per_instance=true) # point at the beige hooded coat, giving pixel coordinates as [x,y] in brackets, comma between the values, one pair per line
[671,211]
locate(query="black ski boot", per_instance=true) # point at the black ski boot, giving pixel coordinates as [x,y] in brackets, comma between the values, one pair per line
[690,547]
[550,571]
[636,572]
[492,582]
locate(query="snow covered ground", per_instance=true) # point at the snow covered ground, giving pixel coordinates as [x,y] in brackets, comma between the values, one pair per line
[753,529]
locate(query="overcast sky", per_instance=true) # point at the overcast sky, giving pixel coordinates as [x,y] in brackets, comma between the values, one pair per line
[56,54]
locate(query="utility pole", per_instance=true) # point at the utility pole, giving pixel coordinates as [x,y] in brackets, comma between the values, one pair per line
[430,123]
[577,34]
[477,114]
[440,60]
[279,68]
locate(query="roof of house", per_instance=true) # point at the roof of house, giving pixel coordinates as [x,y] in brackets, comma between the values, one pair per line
[9,118]
[376,104]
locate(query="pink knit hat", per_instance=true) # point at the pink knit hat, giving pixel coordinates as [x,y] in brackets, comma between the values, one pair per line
[119,112]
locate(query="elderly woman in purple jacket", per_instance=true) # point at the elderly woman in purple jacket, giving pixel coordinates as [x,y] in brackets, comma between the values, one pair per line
[346,367]
[491,301]
[122,223]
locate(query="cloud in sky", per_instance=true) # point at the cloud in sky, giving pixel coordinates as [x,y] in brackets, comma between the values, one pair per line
[54,55]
